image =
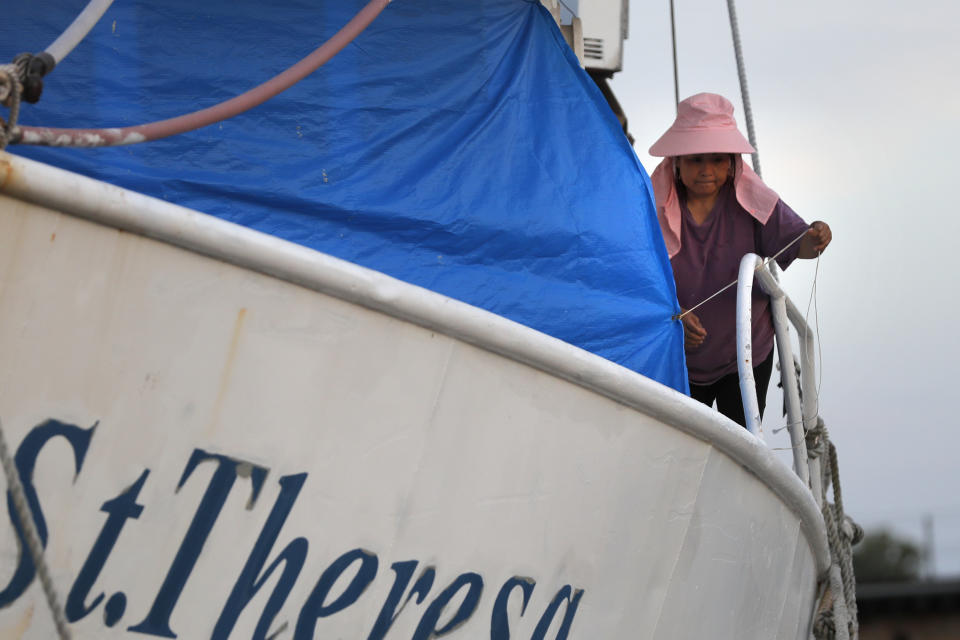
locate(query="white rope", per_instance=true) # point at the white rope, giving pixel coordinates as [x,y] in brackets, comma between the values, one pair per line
[764,263]
[816,317]
[29,528]
[567,7]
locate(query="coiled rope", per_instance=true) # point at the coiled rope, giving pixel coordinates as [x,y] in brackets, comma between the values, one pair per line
[836,617]
[29,529]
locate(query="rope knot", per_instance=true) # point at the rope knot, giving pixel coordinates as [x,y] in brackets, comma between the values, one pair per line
[851,530]
[816,439]
[9,81]
[10,90]
[31,68]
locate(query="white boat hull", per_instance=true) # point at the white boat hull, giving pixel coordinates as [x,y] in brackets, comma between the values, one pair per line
[395,438]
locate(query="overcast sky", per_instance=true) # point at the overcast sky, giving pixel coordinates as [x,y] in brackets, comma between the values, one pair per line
[856,108]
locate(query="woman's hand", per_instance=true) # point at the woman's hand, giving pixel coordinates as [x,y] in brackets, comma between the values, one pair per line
[693,332]
[816,240]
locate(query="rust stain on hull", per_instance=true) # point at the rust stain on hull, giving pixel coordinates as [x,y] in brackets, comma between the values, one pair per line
[227,372]
[20,626]
[6,171]
[14,229]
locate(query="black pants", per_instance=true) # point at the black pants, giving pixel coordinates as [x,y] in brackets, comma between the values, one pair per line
[726,391]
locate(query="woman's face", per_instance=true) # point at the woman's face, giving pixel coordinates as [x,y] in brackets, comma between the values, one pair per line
[704,174]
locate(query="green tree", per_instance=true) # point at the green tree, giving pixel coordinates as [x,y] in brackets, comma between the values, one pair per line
[883,557]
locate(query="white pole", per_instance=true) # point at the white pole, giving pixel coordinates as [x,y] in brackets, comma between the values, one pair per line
[808,382]
[801,416]
[748,389]
[791,392]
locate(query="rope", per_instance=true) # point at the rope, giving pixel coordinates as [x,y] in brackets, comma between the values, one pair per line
[744,92]
[836,619]
[766,261]
[816,316]
[567,7]
[29,529]
[673,42]
[222,111]
[837,613]
[10,90]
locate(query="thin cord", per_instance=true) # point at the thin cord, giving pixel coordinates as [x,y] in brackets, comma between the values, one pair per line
[812,300]
[766,261]
[816,318]
[793,424]
[565,6]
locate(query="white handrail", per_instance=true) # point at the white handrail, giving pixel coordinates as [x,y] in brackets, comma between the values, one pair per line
[810,404]
[748,389]
[791,391]
[801,415]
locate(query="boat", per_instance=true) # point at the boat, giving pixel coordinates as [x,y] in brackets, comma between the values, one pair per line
[219,430]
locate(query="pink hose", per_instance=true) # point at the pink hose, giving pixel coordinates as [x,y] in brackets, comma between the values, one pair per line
[188,122]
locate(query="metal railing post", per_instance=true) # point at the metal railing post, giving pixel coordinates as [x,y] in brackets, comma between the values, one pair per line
[811,400]
[791,391]
[748,389]
[802,409]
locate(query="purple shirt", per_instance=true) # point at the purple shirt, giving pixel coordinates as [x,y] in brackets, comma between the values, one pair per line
[709,259]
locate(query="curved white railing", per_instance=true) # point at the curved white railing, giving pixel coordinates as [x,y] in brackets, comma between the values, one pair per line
[801,400]
[745,364]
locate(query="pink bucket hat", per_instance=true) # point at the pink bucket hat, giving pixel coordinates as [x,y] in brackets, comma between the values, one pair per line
[704,124]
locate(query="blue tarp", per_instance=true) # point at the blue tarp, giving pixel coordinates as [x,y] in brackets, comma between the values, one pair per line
[454,145]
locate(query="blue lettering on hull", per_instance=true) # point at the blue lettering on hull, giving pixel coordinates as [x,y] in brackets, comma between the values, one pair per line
[359,568]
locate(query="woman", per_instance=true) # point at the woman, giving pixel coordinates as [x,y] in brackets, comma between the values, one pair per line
[713,209]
